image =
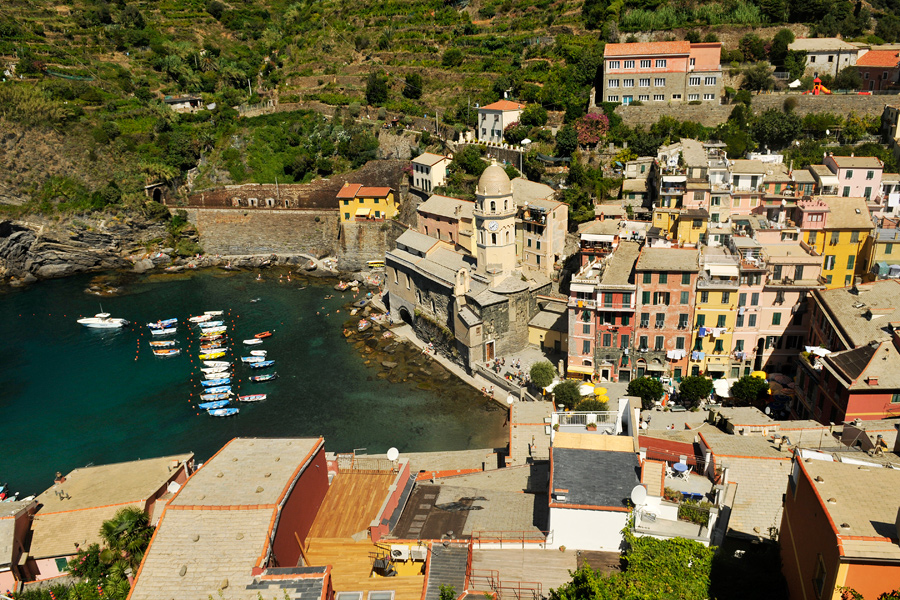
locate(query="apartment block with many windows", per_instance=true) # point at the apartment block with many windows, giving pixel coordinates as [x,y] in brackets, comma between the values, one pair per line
[662,72]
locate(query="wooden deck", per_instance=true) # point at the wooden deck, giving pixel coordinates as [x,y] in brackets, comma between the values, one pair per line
[351,568]
[352,501]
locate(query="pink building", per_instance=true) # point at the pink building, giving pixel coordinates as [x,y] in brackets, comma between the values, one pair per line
[858,176]
[448,219]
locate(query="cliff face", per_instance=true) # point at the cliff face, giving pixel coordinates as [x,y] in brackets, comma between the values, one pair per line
[39,248]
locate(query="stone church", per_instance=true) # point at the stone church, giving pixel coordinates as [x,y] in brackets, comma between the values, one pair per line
[474,307]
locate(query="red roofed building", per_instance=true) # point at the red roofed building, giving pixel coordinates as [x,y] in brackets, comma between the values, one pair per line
[879,69]
[494,118]
[662,72]
[359,203]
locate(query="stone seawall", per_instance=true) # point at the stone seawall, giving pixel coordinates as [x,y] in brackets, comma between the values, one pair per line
[262,231]
[361,242]
[712,115]
[234,231]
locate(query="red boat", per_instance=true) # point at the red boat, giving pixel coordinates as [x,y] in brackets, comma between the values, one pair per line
[262,335]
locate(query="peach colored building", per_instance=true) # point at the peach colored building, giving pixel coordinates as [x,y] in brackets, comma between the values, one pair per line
[662,72]
[15,523]
[879,69]
[838,529]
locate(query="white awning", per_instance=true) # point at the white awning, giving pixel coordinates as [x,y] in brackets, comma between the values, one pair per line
[723,270]
[722,387]
[828,179]
[674,178]
[581,287]
[597,237]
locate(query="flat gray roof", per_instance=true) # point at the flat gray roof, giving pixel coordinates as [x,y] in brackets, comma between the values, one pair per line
[599,478]
[669,259]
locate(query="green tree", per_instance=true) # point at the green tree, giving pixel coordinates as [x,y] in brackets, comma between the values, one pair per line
[748,389]
[672,568]
[453,57]
[775,129]
[692,389]
[758,77]
[647,389]
[567,393]
[515,132]
[775,10]
[534,115]
[448,592]
[779,47]
[532,166]
[848,79]
[542,373]
[376,89]
[469,161]
[795,63]
[566,141]
[591,404]
[413,87]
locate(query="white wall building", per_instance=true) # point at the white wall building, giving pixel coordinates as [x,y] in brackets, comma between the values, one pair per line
[429,171]
[827,55]
[493,119]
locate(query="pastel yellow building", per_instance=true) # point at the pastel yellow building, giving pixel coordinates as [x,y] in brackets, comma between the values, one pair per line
[714,315]
[842,240]
[359,203]
[666,219]
[691,225]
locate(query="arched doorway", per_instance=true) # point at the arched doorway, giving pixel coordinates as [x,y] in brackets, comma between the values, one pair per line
[404,314]
[157,195]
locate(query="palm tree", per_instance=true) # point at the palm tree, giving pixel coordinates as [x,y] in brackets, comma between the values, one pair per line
[125,537]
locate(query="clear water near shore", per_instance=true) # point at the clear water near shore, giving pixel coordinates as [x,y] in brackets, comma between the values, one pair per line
[71,396]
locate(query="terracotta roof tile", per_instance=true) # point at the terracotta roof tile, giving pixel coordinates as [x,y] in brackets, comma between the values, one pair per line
[373,192]
[504,105]
[878,58]
[649,48]
[349,190]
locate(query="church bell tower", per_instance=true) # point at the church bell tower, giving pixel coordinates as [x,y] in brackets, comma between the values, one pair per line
[495,224]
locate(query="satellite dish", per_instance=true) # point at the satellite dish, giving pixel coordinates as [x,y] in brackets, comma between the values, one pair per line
[510,399]
[638,495]
[393,454]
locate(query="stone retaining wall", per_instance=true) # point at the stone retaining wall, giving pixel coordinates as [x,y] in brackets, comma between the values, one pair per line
[362,242]
[712,115]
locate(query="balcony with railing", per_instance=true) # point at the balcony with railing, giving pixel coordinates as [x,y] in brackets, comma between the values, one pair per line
[599,422]
[706,281]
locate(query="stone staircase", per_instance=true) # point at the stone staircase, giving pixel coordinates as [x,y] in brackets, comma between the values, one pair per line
[447,567]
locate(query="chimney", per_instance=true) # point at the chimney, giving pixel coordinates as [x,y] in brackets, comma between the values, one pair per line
[870,380]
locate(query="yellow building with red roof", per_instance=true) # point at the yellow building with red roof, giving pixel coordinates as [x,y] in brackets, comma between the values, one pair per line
[357,202]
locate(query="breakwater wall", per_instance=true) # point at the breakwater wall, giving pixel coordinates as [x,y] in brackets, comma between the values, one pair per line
[284,231]
[711,115]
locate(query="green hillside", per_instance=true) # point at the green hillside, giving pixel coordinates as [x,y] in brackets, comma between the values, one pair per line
[87,128]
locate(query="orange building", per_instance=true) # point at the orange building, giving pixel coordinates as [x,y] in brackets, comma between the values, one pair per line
[838,529]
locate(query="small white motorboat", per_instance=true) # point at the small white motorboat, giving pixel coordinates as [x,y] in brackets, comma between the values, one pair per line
[169,331]
[258,352]
[252,398]
[209,370]
[252,359]
[218,375]
[214,330]
[200,319]
[103,321]
[217,363]
[253,342]
[214,313]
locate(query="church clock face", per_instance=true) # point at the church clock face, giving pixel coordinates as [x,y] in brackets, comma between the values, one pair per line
[493,225]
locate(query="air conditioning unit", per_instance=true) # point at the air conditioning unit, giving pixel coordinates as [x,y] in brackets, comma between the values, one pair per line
[399,552]
[419,553]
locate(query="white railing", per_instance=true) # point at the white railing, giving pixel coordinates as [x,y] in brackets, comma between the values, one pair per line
[585,418]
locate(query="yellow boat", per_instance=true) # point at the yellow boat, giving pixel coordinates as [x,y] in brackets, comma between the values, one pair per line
[212,355]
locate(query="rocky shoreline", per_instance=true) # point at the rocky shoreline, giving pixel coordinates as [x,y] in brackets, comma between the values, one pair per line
[43,248]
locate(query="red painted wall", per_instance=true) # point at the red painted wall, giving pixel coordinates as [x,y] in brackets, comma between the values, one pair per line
[394,500]
[300,510]
[806,533]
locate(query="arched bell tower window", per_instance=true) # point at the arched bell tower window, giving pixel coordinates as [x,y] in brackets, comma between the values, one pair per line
[507,237]
[506,205]
[494,238]
[493,206]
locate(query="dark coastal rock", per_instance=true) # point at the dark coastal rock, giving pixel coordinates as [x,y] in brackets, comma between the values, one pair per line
[142,266]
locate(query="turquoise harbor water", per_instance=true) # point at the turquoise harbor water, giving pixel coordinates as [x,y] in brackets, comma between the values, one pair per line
[71,396]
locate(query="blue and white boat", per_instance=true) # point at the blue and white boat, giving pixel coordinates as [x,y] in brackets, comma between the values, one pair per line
[253,359]
[164,324]
[216,382]
[222,389]
[214,405]
[211,397]
[261,378]
[222,412]
[211,324]
[166,331]
[216,363]
[262,365]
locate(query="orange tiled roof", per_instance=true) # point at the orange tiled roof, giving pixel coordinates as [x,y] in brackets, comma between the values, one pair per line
[878,58]
[504,105]
[349,190]
[373,192]
[649,48]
